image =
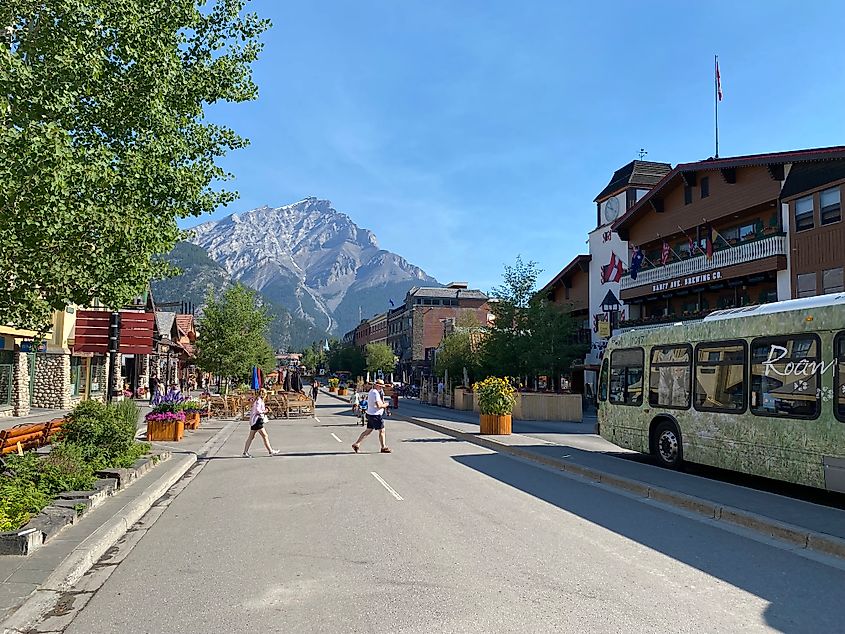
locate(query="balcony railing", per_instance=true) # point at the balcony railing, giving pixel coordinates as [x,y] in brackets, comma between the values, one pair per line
[739,254]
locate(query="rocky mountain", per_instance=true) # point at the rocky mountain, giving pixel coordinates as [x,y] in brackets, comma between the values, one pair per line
[311,259]
[199,273]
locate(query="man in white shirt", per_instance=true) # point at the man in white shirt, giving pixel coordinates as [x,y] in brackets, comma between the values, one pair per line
[375,411]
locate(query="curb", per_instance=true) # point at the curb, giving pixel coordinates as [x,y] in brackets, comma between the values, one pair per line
[768,527]
[89,551]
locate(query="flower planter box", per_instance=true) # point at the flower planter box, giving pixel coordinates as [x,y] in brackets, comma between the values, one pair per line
[495,425]
[341,391]
[332,390]
[170,430]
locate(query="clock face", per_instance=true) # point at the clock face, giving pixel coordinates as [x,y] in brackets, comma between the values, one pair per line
[611,209]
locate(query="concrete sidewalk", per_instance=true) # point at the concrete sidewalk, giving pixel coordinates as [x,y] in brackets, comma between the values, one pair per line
[793,520]
[28,584]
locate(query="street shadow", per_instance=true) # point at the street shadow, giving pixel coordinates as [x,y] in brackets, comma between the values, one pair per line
[803,595]
[304,454]
[433,440]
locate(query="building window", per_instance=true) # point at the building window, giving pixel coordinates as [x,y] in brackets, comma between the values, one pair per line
[78,376]
[806,284]
[687,194]
[832,281]
[669,379]
[626,376]
[804,213]
[705,186]
[97,366]
[830,208]
[720,377]
[784,376]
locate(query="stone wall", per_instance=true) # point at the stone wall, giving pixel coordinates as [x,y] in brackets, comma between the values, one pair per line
[52,381]
[6,379]
[20,387]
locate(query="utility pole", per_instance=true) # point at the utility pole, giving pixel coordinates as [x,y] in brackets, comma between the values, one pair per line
[114,346]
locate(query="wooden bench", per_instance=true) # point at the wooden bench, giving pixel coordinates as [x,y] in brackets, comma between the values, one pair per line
[29,435]
[54,430]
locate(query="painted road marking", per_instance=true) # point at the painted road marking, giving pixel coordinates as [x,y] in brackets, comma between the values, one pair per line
[316,419]
[386,485]
[336,438]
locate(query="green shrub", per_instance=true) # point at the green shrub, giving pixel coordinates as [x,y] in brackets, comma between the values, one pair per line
[127,411]
[102,435]
[65,469]
[19,501]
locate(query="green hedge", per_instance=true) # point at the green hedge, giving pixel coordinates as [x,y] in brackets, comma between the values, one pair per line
[96,436]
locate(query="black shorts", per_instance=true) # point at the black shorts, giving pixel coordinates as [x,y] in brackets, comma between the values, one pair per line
[259,424]
[374,422]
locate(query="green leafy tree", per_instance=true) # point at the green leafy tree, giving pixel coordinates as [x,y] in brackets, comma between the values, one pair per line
[553,346]
[233,335]
[104,144]
[380,357]
[507,346]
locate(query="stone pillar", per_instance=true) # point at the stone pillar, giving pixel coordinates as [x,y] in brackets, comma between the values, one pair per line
[52,381]
[20,386]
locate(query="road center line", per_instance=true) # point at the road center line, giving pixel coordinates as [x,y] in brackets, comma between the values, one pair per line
[336,438]
[386,485]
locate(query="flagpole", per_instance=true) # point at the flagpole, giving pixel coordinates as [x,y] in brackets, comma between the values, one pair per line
[716,98]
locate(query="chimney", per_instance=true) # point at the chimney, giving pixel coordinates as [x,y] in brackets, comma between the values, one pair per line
[458,285]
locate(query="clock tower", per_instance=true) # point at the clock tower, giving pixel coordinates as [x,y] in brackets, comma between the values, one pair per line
[610,254]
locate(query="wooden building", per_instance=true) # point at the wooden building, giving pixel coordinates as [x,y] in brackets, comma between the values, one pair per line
[716,234]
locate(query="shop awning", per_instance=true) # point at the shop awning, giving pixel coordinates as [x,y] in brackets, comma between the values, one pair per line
[136,332]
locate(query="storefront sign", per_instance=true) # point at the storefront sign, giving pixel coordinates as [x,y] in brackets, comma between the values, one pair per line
[604,329]
[29,346]
[690,280]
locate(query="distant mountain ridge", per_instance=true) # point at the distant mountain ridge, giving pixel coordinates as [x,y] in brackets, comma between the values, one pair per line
[311,259]
[199,273]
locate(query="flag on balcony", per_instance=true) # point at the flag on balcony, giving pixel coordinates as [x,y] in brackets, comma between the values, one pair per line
[664,253]
[612,271]
[636,262]
[708,239]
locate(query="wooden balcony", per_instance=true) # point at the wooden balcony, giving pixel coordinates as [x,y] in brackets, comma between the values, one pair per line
[739,254]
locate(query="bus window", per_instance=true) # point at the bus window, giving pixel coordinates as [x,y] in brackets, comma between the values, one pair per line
[785,374]
[626,376]
[603,381]
[720,377]
[669,379]
[839,380]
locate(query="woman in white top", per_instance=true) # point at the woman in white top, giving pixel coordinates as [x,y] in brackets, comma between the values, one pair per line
[257,416]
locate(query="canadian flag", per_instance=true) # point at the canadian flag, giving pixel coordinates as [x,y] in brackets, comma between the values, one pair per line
[612,272]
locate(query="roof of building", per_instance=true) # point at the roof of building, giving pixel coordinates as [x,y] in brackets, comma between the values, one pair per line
[751,160]
[643,173]
[578,263]
[185,324]
[806,176]
[456,293]
[164,322]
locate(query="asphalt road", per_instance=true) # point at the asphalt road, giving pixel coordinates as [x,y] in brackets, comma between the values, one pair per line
[313,541]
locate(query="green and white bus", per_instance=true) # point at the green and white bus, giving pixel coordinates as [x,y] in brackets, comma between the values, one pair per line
[758,389]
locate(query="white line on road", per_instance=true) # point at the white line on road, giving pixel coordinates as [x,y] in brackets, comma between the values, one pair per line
[386,485]
[336,438]
[316,419]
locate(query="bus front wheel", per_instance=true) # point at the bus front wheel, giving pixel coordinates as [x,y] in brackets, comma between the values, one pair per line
[666,445]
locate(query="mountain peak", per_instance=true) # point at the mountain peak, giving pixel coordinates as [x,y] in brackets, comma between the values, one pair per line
[310,258]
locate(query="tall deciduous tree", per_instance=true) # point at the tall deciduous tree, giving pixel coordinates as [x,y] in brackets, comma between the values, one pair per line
[103,141]
[380,357]
[233,334]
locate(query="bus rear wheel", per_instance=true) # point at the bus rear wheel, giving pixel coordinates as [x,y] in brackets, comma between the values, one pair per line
[666,445]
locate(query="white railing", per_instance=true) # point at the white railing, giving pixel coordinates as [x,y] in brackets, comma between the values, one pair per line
[739,254]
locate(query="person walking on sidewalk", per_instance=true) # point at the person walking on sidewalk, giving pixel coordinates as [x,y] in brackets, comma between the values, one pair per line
[315,390]
[257,418]
[375,411]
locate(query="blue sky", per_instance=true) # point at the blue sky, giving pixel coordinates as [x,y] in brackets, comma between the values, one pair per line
[465,132]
